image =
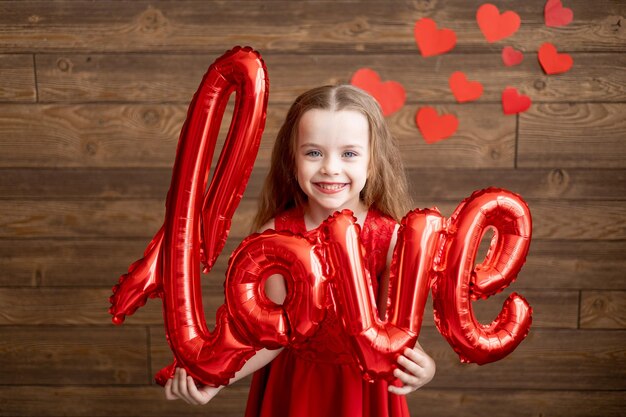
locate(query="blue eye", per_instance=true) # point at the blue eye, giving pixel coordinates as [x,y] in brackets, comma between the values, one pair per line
[353,154]
[317,153]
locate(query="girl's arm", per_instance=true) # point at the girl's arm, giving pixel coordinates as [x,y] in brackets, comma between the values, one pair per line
[416,367]
[182,386]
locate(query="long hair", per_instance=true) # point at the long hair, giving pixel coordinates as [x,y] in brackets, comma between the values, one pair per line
[386,187]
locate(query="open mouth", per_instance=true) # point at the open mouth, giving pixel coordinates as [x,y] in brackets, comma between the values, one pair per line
[330,188]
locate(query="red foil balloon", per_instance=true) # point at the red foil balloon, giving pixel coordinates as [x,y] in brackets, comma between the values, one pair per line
[197,223]
[459,282]
[428,250]
[378,343]
[257,318]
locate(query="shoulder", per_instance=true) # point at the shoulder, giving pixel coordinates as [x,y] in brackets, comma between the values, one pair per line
[269,225]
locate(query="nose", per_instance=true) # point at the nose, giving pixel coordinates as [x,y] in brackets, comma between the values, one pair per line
[331,166]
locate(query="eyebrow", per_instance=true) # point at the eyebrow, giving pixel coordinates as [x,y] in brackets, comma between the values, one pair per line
[315,145]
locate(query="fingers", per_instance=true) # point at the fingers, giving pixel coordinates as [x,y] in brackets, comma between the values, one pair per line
[418,370]
[179,387]
[168,390]
[409,380]
[200,396]
[412,362]
[400,390]
[417,356]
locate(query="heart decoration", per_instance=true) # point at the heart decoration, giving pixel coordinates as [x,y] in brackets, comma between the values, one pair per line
[555,15]
[511,56]
[551,61]
[432,41]
[513,102]
[463,89]
[389,94]
[433,126]
[496,26]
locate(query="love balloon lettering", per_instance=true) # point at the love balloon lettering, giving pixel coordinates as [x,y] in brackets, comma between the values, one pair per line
[431,253]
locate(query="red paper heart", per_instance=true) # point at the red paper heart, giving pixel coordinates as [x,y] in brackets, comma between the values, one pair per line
[463,89]
[432,41]
[434,127]
[513,102]
[389,94]
[556,15]
[511,56]
[551,61]
[496,26]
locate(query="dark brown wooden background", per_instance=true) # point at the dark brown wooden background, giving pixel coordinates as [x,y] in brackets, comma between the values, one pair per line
[92,99]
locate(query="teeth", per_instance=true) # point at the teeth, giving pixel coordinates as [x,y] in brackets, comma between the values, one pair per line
[331,187]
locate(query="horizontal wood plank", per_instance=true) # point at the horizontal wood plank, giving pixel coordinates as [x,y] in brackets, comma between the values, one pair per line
[439,184]
[567,136]
[147,135]
[86,306]
[154,78]
[557,308]
[294,27]
[575,264]
[562,220]
[83,306]
[73,355]
[111,401]
[76,263]
[599,220]
[603,310]
[432,402]
[17,73]
[544,359]
[98,263]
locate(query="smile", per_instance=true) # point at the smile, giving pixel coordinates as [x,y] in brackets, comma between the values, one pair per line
[329,188]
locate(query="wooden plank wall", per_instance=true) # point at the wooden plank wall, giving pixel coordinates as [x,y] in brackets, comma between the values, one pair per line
[92,98]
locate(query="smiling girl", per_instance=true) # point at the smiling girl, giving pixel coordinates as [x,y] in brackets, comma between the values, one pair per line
[333,152]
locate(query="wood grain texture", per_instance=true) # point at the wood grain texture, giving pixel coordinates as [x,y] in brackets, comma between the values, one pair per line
[73,355]
[155,78]
[575,264]
[93,96]
[437,184]
[67,263]
[603,309]
[87,306]
[123,136]
[98,263]
[73,401]
[300,27]
[515,403]
[551,308]
[546,358]
[17,75]
[598,220]
[112,401]
[566,135]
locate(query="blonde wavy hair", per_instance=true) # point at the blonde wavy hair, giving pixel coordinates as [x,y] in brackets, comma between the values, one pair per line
[386,187]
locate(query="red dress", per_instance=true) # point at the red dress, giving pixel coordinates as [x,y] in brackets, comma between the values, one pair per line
[322,378]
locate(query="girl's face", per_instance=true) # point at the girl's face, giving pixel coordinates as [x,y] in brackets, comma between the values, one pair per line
[332,158]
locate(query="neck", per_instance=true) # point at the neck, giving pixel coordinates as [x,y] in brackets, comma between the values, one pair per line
[316,214]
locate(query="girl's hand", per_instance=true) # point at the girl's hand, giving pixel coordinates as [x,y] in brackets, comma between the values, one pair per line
[183,387]
[419,369]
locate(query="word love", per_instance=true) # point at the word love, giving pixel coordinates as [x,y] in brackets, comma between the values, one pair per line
[431,252]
